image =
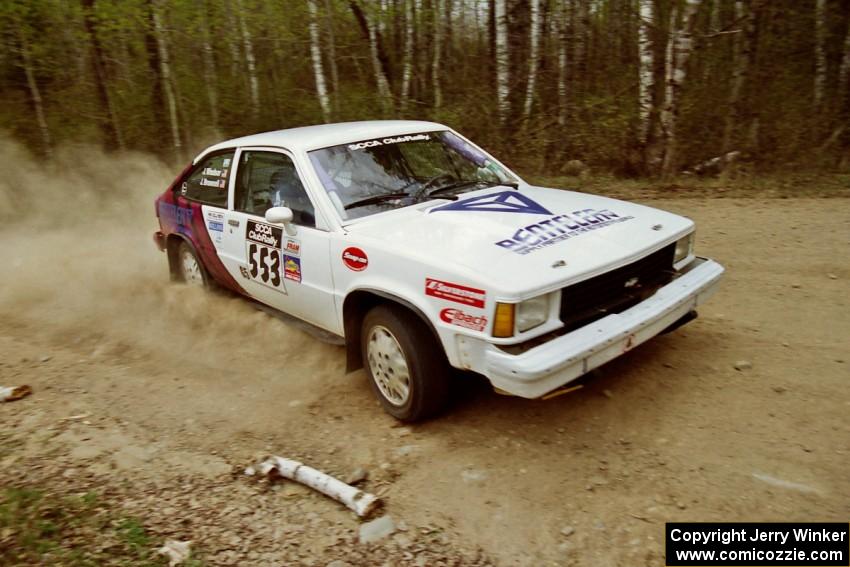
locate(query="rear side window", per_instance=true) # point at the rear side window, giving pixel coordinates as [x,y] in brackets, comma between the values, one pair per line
[208,182]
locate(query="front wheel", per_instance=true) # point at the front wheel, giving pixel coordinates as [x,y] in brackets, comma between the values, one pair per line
[405,363]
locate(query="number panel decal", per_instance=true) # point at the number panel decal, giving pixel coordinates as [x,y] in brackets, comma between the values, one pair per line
[265,262]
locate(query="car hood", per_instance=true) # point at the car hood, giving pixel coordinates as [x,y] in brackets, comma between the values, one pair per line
[526,241]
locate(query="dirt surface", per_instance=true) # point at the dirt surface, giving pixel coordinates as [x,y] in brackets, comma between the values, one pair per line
[157,397]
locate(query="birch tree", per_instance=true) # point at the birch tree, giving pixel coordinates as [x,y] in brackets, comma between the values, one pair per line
[645,68]
[741,56]
[502,61]
[109,126]
[563,61]
[681,48]
[165,77]
[407,65]
[331,34]
[438,50]
[820,50]
[844,69]
[318,68]
[210,73]
[533,55]
[35,93]
[379,70]
[250,61]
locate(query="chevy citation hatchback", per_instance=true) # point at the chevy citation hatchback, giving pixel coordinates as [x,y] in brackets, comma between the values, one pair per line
[419,251]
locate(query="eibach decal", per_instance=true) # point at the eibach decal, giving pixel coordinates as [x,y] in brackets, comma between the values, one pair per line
[355,259]
[457,317]
[455,292]
[559,228]
[265,260]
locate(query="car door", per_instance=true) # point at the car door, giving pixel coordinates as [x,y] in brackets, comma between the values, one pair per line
[202,197]
[288,270]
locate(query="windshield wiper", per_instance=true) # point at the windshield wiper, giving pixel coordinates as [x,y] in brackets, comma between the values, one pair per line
[375,199]
[461,184]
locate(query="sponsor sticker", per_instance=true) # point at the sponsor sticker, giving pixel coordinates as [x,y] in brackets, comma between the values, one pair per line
[455,292]
[213,172]
[292,247]
[558,228]
[458,317]
[216,226]
[172,214]
[226,162]
[265,259]
[292,268]
[387,141]
[218,183]
[355,259]
[264,233]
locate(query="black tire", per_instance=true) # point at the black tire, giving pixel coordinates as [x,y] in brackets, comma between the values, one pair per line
[183,252]
[428,369]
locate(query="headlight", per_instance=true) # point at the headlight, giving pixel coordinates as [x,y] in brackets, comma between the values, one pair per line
[532,313]
[684,248]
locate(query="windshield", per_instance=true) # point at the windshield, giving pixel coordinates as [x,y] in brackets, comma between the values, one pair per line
[376,175]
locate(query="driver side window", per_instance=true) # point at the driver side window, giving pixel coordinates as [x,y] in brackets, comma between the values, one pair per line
[269,179]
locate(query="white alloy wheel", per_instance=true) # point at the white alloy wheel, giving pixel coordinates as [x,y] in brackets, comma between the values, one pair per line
[388,365]
[190,269]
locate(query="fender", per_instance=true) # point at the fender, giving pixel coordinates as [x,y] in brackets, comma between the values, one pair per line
[353,316]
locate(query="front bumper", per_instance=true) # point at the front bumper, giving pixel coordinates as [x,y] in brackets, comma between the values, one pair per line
[549,366]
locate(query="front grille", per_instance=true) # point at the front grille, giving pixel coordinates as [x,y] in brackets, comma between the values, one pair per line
[607,293]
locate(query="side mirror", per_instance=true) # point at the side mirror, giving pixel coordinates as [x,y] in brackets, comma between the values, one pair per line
[279,215]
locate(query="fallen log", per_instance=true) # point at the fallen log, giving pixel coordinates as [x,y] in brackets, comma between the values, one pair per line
[362,503]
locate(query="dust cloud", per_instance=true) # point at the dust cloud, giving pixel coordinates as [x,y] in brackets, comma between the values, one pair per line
[79,267]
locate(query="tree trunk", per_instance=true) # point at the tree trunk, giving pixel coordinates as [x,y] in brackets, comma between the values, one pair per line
[502,61]
[741,57]
[533,55]
[35,95]
[844,69]
[329,23]
[250,61]
[318,68]
[407,69]
[111,131]
[820,50]
[682,46]
[646,67]
[379,59]
[165,76]
[563,63]
[438,49]
[210,73]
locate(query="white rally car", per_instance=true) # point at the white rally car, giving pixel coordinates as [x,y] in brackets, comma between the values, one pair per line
[420,251]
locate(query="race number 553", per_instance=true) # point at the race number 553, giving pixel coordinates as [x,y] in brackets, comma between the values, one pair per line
[265,264]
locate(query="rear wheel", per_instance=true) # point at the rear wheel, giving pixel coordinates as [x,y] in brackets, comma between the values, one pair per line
[406,366]
[189,268]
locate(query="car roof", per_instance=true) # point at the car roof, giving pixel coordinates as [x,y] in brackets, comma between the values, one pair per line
[308,138]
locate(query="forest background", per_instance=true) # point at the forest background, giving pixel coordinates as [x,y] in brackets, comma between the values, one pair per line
[634,88]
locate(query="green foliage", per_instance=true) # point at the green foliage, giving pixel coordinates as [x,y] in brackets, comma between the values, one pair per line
[42,528]
[207,61]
